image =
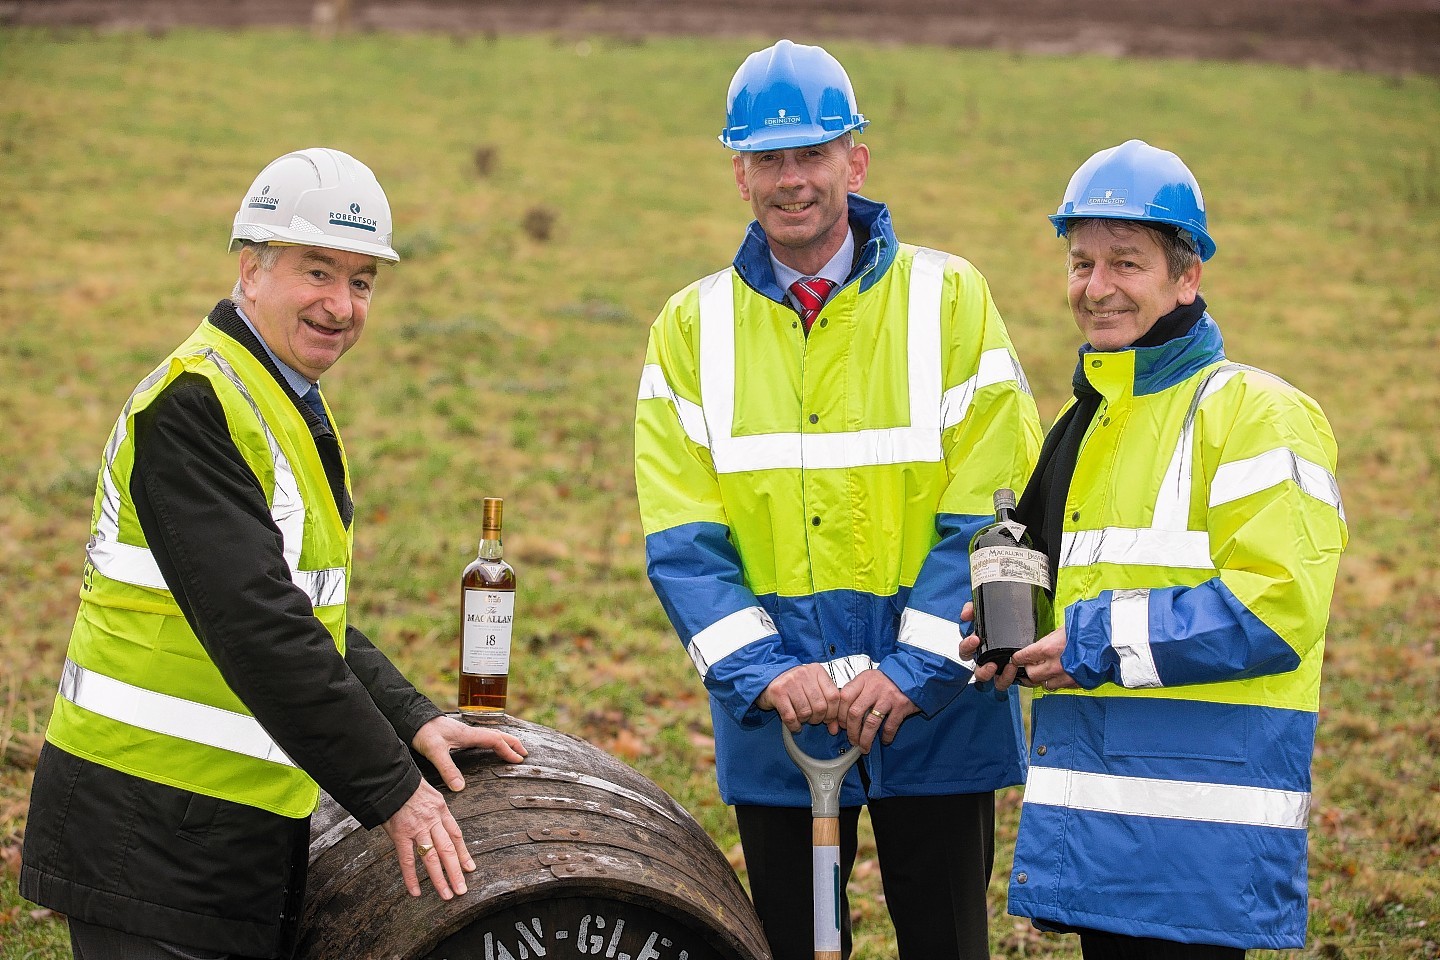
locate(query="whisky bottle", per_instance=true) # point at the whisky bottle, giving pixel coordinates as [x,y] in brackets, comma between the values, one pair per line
[487,614]
[1009,578]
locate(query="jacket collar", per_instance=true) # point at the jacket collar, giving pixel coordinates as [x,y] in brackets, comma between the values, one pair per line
[1159,368]
[870,222]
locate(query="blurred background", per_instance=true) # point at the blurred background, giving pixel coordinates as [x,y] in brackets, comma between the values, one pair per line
[554,176]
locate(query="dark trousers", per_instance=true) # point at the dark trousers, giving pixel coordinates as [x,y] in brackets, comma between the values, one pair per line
[89,942]
[1095,945]
[936,854]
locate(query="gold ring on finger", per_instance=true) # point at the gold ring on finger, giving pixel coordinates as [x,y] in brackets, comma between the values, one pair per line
[424,849]
[876,714]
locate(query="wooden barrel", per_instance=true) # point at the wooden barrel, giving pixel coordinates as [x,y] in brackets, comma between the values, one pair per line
[578,856]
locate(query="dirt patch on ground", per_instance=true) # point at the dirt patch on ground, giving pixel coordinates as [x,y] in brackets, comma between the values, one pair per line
[1382,36]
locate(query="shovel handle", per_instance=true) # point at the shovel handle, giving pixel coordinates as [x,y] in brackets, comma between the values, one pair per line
[825,778]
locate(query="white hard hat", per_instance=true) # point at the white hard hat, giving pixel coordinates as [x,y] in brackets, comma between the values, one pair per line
[318,198]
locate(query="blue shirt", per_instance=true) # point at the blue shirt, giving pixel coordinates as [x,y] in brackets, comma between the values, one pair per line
[298,381]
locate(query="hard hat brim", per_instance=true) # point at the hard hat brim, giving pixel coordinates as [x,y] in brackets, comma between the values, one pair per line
[783,139]
[1205,247]
[255,233]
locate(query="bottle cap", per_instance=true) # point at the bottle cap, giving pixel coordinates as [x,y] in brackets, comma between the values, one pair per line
[493,510]
[1004,499]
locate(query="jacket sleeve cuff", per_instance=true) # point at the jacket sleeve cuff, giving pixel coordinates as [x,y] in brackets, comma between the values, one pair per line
[389,803]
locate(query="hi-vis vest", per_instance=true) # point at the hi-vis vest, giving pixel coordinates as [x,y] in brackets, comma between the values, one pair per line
[138,692]
[1202,535]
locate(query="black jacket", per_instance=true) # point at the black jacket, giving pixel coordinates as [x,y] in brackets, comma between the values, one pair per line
[115,850]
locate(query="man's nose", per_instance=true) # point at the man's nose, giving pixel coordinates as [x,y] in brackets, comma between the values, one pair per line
[1100,285]
[790,172]
[337,300]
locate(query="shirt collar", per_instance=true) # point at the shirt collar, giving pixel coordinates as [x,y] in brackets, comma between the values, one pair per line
[837,271]
[297,380]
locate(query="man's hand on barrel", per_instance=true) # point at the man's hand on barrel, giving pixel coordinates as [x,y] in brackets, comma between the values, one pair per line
[801,695]
[871,706]
[424,829]
[436,739]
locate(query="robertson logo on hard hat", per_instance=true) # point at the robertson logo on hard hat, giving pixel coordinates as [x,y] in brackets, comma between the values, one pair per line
[352,219]
[264,201]
[1108,200]
[780,120]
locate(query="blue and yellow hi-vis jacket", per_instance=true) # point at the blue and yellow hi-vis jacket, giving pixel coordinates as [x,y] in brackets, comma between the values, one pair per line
[811,500]
[1169,796]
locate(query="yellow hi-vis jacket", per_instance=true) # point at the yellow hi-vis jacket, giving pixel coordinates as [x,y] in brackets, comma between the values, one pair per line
[139,693]
[1169,796]
[811,500]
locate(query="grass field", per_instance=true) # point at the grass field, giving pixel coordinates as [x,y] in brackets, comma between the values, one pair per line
[549,195]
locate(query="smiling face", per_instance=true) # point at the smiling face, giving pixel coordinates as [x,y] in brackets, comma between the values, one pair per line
[310,307]
[799,196]
[1120,282]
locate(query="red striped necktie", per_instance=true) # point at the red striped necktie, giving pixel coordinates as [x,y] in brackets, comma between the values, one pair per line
[811,294]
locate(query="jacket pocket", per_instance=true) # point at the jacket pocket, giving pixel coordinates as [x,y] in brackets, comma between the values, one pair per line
[199,815]
[1155,727]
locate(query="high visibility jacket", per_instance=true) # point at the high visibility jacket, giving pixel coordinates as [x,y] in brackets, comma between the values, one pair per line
[1169,796]
[811,500]
[138,692]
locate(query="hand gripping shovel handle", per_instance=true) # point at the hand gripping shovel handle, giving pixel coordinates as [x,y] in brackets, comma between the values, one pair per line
[825,778]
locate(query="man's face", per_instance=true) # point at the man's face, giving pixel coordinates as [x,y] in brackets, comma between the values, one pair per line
[311,306]
[1120,283]
[799,197]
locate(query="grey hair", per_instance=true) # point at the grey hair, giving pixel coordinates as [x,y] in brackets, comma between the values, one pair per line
[267,254]
[1178,245]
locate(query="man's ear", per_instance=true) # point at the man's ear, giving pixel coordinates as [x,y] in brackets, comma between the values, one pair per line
[859,167]
[739,164]
[1190,283]
[249,271]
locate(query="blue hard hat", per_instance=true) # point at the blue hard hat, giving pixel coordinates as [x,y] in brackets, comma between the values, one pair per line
[1136,181]
[789,95]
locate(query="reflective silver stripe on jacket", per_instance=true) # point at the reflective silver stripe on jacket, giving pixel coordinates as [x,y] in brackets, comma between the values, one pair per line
[728,634]
[132,564]
[172,716]
[930,411]
[1167,543]
[1170,799]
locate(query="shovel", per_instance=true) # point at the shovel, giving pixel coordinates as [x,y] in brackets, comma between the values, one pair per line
[825,778]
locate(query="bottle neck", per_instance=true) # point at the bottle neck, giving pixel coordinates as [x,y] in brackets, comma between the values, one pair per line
[1002,514]
[490,548]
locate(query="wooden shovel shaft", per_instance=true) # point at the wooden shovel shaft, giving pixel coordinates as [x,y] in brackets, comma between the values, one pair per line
[825,884]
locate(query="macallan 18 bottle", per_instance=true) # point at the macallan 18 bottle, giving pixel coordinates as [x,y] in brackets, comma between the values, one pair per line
[487,615]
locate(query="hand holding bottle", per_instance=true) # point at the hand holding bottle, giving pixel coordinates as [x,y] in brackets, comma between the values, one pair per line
[1040,659]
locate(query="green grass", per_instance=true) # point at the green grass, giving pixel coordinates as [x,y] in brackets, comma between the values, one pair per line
[496,363]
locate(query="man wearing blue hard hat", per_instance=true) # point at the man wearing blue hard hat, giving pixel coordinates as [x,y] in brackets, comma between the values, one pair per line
[820,429]
[1193,523]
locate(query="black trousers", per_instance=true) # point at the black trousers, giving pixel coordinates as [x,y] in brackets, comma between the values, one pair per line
[1095,945]
[936,855]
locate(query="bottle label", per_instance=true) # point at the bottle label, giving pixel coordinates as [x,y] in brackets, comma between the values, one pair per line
[489,615]
[1009,565]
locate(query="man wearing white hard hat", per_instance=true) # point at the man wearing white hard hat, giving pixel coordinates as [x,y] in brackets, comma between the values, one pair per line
[213,684]
[1193,523]
[820,430]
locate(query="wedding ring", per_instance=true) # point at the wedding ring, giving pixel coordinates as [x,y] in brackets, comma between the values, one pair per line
[876,714]
[424,849]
